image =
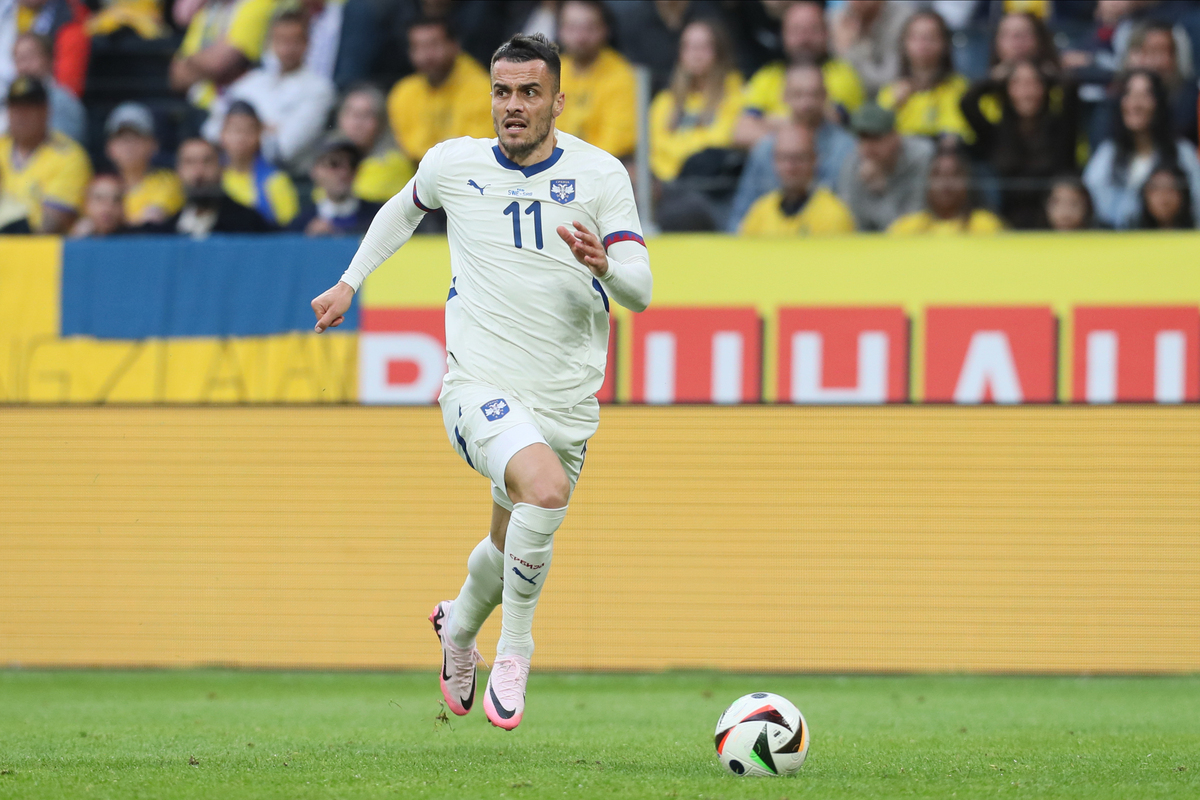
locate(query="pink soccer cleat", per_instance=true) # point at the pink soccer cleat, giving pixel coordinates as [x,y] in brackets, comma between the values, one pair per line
[504,702]
[458,664]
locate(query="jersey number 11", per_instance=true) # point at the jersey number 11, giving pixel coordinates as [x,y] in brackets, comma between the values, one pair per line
[535,208]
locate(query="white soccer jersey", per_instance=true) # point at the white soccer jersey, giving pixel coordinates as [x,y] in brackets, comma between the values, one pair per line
[522,314]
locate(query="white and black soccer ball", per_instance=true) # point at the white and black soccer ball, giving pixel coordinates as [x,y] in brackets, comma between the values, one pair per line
[762,734]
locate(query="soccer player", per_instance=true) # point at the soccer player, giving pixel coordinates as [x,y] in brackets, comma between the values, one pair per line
[526,339]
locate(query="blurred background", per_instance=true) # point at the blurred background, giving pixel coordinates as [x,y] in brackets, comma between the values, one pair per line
[918,390]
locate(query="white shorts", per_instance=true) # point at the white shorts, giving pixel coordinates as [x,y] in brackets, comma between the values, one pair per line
[487,427]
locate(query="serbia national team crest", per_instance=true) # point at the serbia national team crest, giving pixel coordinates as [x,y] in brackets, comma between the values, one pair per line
[562,190]
[494,409]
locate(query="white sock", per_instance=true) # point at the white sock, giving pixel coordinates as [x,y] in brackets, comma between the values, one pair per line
[479,595]
[527,550]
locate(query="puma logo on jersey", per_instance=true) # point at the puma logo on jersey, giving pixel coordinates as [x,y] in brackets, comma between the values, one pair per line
[475,185]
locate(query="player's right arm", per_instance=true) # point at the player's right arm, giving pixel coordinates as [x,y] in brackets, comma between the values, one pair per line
[392,227]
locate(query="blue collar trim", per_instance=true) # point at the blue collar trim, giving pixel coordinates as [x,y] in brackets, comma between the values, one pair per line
[532,169]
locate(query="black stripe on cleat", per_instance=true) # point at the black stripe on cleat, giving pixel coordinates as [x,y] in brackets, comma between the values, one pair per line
[501,710]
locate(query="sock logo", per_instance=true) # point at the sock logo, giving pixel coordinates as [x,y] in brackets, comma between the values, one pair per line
[525,563]
[530,581]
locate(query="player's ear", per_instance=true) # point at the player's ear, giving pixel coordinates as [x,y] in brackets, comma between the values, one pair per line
[559,102]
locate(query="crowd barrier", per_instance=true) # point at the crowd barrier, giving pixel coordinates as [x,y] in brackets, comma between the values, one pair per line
[1031,318]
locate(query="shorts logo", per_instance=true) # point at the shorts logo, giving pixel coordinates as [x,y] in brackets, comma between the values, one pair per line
[563,191]
[494,409]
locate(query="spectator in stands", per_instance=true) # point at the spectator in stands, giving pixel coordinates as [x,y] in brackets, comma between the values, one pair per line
[103,212]
[151,195]
[1166,201]
[1142,140]
[867,34]
[1069,206]
[799,205]
[62,23]
[33,58]
[885,177]
[1154,46]
[338,212]
[950,206]
[248,177]
[926,95]
[447,96]
[42,169]
[805,41]
[224,38]
[649,33]
[1032,139]
[701,106]
[1023,36]
[292,101]
[599,83]
[343,39]
[14,219]
[208,209]
[383,170]
[807,101]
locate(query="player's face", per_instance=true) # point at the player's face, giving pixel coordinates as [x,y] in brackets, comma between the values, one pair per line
[524,105]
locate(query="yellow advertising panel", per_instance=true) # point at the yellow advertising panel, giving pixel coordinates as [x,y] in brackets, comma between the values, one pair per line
[1044,539]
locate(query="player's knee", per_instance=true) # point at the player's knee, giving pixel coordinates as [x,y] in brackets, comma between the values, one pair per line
[547,491]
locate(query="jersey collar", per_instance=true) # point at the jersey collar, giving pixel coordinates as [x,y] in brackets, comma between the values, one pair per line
[532,169]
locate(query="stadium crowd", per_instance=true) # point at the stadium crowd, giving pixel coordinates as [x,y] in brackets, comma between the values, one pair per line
[781,117]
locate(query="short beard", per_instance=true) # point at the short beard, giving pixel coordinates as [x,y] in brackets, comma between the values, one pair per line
[520,151]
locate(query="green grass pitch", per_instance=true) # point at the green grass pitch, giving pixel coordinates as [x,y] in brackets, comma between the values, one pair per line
[229,734]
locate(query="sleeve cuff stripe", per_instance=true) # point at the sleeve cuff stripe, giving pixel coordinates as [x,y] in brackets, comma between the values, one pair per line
[417,200]
[623,236]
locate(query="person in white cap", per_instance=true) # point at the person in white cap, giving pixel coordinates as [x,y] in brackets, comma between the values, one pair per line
[151,195]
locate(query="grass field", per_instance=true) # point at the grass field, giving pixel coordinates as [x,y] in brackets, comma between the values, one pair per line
[225,734]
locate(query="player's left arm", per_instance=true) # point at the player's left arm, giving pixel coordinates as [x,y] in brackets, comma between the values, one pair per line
[616,254]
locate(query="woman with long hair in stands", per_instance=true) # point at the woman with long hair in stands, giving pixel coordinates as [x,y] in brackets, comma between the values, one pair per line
[699,108]
[1031,140]
[1166,201]
[1022,36]
[925,97]
[1142,141]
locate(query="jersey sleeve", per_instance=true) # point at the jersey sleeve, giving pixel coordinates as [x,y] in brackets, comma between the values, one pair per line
[617,214]
[395,222]
[628,280]
[425,189]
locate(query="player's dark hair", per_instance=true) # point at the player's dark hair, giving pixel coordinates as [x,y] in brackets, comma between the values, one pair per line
[430,21]
[521,48]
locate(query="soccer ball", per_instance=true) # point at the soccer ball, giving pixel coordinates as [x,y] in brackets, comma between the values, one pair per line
[762,734]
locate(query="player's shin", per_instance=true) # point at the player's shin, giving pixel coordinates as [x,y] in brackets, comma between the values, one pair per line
[528,547]
[480,593]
